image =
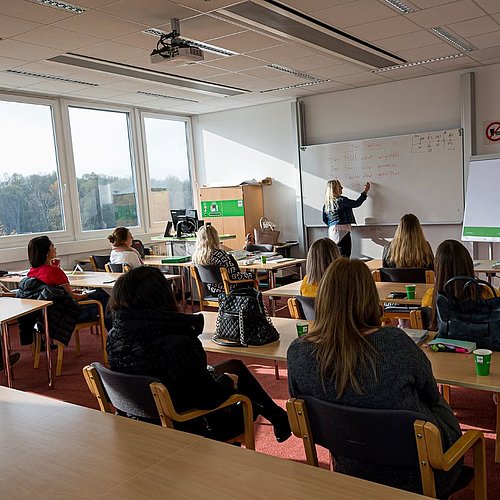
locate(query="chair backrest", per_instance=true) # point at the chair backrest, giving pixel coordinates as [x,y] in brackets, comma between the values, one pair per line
[404,275]
[343,430]
[130,394]
[116,268]
[137,244]
[421,318]
[99,262]
[307,305]
[209,274]
[259,248]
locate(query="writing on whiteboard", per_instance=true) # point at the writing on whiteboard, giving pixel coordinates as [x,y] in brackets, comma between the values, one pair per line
[434,141]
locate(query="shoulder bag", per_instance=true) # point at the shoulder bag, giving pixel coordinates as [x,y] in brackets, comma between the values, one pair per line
[243,320]
[471,320]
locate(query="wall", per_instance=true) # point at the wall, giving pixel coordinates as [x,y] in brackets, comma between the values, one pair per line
[252,143]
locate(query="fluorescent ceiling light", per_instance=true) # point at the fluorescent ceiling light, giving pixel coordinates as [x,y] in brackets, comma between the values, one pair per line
[452,39]
[291,71]
[201,45]
[284,23]
[401,6]
[50,77]
[417,63]
[164,96]
[175,81]
[299,85]
[61,5]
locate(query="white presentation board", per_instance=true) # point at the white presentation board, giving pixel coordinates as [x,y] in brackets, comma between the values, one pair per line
[420,173]
[482,202]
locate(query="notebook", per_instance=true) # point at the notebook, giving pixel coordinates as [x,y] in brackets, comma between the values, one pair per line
[452,345]
[176,259]
[418,336]
[240,254]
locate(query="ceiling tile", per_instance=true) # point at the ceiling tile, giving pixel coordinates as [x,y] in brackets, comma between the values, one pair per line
[153,13]
[486,40]
[205,6]
[99,25]
[446,14]
[56,38]
[198,71]
[237,63]
[490,6]
[51,68]
[427,4]
[381,29]
[421,53]
[473,27]
[11,80]
[55,87]
[237,80]
[111,51]
[362,79]
[405,73]
[486,55]
[282,54]
[410,41]
[339,70]
[7,63]
[311,63]
[354,13]
[246,41]
[96,93]
[139,40]
[308,6]
[25,51]
[452,64]
[35,12]
[205,27]
[11,26]
[93,4]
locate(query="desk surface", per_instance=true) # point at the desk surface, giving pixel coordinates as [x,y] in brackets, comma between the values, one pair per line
[58,450]
[12,308]
[383,288]
[87,279]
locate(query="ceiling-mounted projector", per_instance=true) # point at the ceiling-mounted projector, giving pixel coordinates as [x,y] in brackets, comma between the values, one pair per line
[174,50]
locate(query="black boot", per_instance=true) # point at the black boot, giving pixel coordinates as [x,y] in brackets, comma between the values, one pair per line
[13,359]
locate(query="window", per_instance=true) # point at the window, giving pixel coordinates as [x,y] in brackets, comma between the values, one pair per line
[103,166]
[30,189]
[168,164]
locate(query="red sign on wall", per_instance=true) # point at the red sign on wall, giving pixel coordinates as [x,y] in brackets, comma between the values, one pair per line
[493,131]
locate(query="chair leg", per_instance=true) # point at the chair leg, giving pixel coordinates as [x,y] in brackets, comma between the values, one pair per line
[60,352]
[38,346]
[77,342]
[277,369]
[446,392]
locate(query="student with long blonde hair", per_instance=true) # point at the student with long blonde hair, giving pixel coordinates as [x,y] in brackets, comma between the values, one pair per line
[208,253]
[338,214]
[347,358]
[409,248]
[321,254]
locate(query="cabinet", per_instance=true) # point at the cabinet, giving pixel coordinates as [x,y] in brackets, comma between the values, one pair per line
[232,210]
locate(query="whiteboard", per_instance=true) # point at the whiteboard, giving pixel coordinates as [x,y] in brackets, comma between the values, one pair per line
[482,203]
[419,173]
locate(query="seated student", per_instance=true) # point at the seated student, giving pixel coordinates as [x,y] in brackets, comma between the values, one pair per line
[452,259]
[348,358]
[151,337]
[409,248]
[208,253]
[321,254]
[122,252]
[43,273]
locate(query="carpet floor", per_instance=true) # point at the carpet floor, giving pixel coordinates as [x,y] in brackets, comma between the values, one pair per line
[474,409]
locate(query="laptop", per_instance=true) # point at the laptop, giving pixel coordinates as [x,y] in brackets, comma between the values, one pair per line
[418,336]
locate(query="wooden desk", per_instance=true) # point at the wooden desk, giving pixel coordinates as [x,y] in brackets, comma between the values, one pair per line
[273,267]
[383,288]
[59,450]
[11,309]
[486,267]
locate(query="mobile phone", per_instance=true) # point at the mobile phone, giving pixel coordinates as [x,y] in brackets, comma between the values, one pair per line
[397,295]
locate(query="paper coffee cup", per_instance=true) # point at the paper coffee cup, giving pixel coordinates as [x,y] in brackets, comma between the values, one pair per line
[410,291]
[302,328]
[482,358]
[56,262]
[263,259]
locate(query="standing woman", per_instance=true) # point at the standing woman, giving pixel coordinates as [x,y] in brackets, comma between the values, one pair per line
[409,248]
[208,253]
[338,214]
[123,253]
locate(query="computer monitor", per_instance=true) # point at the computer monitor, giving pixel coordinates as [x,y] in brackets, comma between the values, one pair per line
[175,214]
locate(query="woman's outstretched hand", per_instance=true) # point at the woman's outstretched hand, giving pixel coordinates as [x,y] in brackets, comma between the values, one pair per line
[367,187]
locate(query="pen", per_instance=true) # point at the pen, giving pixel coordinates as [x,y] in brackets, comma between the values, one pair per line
[110,281]
[460,349]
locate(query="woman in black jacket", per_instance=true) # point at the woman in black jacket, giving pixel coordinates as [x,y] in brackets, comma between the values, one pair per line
[151,337]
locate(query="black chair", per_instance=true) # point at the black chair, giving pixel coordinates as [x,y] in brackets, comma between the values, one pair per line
[404,275]
[202,276]
[130,395]
[138,245]
[117,268]
[301,307]
[386,438]
[99,262]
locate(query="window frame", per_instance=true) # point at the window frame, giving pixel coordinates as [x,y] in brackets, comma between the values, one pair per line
[160,226]
[65,234]
[79,233]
